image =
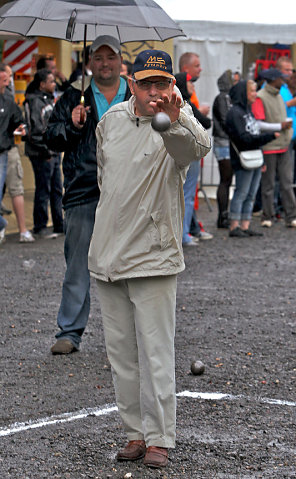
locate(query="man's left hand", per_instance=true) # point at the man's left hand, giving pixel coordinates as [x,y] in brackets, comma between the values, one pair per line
[20,130]
[169,106]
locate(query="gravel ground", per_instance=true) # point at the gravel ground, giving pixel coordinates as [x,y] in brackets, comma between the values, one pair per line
[235,311]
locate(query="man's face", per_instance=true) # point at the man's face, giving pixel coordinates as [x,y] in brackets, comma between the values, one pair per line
[235,78]
[9,74]
[150,90]
[286,68]
[4,79]
[51,66]
[292,82]
[193,68]
[190,87]
[277,83]
[105,65]
[123,70]
[49,85]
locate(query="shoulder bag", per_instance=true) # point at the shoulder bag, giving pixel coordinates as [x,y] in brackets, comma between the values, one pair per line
[249,159]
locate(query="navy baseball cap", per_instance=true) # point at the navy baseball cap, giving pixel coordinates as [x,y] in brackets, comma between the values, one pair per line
[272,74]
[151,63]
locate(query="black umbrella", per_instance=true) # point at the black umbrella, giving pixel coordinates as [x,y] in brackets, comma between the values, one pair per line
[77,20]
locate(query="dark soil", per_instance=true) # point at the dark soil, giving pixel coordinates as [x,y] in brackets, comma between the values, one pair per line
[235,311]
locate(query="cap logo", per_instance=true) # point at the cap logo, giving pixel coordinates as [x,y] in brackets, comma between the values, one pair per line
[156,62]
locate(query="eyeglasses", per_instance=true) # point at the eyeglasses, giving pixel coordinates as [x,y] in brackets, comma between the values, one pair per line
[159,84]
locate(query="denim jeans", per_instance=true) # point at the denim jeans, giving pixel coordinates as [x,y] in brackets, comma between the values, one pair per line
[3,169]
[222,152]
[48,189]
[75,304]
[189,189]
[246,186]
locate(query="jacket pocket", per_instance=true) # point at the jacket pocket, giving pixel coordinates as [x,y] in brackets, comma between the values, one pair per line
[162,229]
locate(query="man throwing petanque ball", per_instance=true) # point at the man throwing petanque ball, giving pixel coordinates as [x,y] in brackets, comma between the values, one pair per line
[136,249]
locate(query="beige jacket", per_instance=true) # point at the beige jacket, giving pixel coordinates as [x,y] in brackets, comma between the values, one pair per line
[138,224]
[275,112]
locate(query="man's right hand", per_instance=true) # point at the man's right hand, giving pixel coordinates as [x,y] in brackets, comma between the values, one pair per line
[204,109]
[79,116]
[286,125]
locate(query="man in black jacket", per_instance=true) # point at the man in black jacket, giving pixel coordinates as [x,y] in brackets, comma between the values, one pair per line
[72,129]
[45,163]
[10,119]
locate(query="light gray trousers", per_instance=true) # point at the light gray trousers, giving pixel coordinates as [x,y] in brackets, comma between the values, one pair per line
[139,326]
[281,164]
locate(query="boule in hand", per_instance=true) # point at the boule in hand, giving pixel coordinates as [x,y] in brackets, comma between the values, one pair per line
[161,121]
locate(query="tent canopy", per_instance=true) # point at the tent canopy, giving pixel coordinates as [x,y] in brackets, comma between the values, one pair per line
[238,32]
[222,46]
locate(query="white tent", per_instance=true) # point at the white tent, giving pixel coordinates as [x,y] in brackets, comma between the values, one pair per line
[223,45]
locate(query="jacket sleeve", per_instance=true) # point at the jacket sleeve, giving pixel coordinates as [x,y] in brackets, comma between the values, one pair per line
[61,133]
[203,119]
[220,109]
[16,118]
[186,140]
[244,140]
[37,128]
[99,135]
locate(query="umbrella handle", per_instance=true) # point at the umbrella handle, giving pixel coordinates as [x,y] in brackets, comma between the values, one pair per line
[83,65]
[82,111]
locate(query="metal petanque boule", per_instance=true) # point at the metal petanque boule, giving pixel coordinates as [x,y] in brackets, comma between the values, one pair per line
[197,368]
[161,122]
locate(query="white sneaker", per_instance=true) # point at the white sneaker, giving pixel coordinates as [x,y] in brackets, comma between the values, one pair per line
[257,213]
[26,237]
[193,241]
[2,235]
[267,223]
[292,224]
[204,235]
[190,243]
[53,235]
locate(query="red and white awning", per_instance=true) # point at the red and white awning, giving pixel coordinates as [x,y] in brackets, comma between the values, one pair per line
[19,54]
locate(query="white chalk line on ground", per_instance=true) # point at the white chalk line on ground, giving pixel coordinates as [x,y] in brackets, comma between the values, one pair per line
[108,409]
[219,396]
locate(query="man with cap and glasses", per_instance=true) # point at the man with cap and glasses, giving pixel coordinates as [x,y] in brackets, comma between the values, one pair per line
[136,249]
[71,129]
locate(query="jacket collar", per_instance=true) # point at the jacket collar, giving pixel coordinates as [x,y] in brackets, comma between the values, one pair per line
[271,89]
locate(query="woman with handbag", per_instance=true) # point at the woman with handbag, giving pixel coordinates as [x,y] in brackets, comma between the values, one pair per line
[246,157]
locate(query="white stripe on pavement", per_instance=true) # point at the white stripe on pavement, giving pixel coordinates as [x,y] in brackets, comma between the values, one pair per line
[230,397]
[47,421]
[108,409]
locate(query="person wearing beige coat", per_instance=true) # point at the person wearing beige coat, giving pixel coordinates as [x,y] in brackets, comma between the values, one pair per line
[136,249]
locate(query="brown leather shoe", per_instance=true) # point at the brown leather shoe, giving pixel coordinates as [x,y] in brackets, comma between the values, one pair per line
[63,346]
[156,457]
[133,451]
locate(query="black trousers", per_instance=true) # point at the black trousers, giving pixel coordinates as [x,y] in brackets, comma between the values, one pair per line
[48,189]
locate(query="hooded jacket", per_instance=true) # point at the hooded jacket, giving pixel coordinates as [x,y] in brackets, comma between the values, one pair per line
[241,126]
[38,108]
[138,226]
[181,82]
[79,146]
[221,105]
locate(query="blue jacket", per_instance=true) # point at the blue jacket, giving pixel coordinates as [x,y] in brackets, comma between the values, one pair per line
[291,110]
